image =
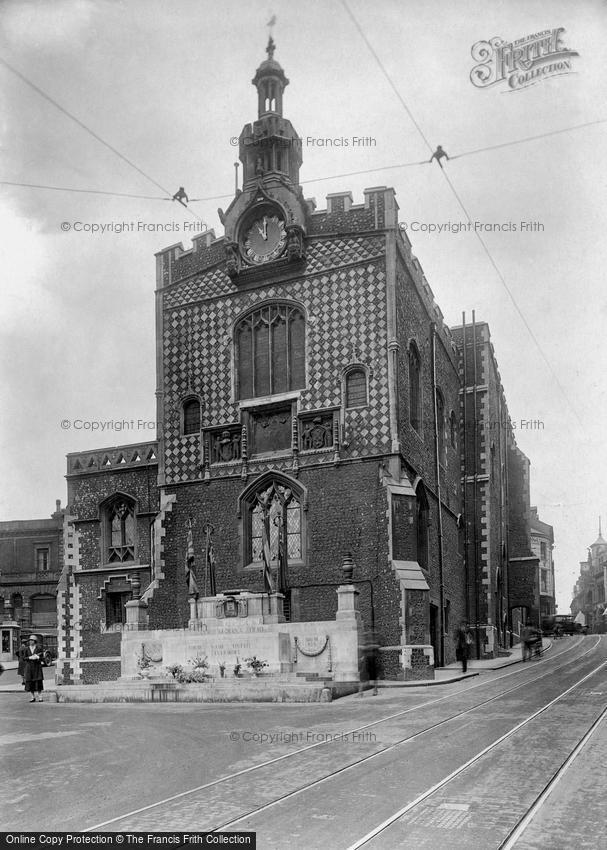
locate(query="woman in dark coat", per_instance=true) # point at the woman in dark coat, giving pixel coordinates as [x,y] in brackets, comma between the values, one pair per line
[33,670]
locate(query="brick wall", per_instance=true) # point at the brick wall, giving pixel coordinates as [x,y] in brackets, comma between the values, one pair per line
[346,512]
[415,315]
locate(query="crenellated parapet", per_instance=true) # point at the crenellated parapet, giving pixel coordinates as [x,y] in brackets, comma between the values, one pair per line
[112,459]
[175,263]
[211,264]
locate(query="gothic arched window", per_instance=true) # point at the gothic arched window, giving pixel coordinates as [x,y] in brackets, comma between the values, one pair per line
[119,532]
[453,429]
[191,416]
[356,388]
[273,523]
[422,526]
[440,425]
[270,351]
[415,416]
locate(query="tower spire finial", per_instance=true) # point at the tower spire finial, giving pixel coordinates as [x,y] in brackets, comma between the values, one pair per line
[271,46]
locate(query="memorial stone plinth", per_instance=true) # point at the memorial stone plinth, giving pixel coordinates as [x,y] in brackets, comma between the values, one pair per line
[230,627]
[256,608]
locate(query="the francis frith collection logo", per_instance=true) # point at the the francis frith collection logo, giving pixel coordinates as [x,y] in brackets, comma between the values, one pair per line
[523,62]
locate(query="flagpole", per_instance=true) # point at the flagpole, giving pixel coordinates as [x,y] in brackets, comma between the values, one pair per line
[208,530]
[206,558]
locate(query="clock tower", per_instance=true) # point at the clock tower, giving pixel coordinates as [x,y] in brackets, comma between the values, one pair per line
[266,222]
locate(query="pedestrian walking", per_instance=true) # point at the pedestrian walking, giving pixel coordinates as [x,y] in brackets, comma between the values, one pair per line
[33,675]
[368,658]
[21,653]
[528,639]
[463,644]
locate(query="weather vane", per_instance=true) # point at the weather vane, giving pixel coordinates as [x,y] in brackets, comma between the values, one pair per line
[271,46]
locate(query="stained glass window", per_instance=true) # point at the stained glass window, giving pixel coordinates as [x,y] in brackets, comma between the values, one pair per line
[276,511]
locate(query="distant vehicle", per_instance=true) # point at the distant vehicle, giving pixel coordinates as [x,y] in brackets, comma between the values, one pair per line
[563,623]
[48,644]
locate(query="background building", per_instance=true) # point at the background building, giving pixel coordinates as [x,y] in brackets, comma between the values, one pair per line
[31,560]
[589,590]
[542,544]
[501,570]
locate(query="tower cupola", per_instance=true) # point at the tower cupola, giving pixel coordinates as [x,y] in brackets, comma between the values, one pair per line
[270,149]
[270,81]
[265,225]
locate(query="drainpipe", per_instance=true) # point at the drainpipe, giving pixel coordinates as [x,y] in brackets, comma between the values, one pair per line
[475,491]
[441,616]
[464,464]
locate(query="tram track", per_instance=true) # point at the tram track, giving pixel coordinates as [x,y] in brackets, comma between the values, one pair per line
[527,816]
[517,831]
[406,740]
[230,779]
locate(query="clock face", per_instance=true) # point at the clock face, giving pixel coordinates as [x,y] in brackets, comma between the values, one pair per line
[265,239]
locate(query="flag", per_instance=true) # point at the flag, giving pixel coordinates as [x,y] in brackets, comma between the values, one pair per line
[266,556]
[279,518]
[282,578]
[264,500]
[211,564]
[189,564]
[272,21]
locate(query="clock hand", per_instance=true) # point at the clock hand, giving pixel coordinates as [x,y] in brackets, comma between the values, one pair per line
[265,228]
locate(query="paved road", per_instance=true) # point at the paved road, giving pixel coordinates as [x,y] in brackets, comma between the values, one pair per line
[338,770]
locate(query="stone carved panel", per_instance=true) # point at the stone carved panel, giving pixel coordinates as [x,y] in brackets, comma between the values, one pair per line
[225,444]
[271,430]
[316,432]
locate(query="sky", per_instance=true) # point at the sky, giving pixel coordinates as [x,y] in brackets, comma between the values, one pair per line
[159,92]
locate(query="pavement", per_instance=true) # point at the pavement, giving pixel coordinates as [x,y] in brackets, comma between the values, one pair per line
[11,683]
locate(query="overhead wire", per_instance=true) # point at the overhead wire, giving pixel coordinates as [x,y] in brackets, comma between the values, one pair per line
[83,191]
[314,179]
[88,130]
[83,126]
[462,205]
[530,138]
[404,104]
